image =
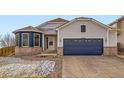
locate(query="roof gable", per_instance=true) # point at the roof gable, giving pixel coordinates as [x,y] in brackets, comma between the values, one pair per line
[84,18]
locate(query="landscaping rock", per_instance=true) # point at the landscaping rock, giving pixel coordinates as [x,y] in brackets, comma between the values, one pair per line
[45,67]
[18,68]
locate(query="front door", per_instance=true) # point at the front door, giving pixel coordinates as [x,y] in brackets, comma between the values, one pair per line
[51,43]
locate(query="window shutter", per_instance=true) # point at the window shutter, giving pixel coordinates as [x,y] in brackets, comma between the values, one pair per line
[40,39]
[31,39]
[20,39]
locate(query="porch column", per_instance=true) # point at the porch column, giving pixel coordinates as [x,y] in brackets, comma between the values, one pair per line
[107,38]
[43,42]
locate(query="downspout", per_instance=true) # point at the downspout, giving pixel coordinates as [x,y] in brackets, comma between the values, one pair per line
[108,38]
[57,38]
[108,52]
[116,38]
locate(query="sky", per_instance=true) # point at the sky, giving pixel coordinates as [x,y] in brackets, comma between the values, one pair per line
[9,23]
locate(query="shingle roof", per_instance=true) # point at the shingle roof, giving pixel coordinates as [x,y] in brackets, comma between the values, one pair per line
[117,20]
[58,20]
[27,29]
[83,18]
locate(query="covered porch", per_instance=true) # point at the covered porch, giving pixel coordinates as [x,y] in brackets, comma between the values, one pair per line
[50,44]
[49,41]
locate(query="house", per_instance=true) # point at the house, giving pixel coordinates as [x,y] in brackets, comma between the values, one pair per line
[119,24]
[80,36]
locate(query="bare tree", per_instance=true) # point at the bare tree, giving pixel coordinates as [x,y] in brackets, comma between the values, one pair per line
[7,40]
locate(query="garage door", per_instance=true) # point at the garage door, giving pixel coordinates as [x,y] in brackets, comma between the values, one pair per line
[83,46]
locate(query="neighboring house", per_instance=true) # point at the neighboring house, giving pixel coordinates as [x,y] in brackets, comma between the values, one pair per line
[119,24]
[80,36]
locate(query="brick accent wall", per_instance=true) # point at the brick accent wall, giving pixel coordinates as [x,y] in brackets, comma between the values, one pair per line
[60,50]
[110,50]
[27,50]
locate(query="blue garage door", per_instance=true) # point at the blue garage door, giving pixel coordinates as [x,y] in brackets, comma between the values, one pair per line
[83,46]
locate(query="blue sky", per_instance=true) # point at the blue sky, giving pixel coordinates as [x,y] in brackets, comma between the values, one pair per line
[9,23]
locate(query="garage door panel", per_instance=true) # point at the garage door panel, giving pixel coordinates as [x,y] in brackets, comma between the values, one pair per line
[83,46]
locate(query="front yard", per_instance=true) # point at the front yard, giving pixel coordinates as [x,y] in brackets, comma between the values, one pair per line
[30,66]
[67,66]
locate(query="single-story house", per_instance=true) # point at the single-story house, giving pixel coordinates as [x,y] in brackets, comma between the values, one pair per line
[119,24]
[80,36]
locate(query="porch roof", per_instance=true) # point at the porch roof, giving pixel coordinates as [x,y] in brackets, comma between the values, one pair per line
[28,29]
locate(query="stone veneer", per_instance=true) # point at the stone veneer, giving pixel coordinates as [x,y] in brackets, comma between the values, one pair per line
[110,50]
[36,50]
[27,50]
[106,50]
[60,51]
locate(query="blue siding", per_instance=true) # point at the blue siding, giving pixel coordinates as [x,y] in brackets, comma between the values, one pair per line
[31,39]
[40,39]
[20,40]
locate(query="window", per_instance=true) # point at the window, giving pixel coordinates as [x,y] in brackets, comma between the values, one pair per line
[25,39]
[36,39]
[83,28]
[17,39]
[51,43]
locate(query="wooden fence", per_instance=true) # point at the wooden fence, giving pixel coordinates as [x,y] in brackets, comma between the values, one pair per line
[7,51]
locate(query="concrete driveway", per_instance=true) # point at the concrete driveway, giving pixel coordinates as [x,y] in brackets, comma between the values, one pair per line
[92,66]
